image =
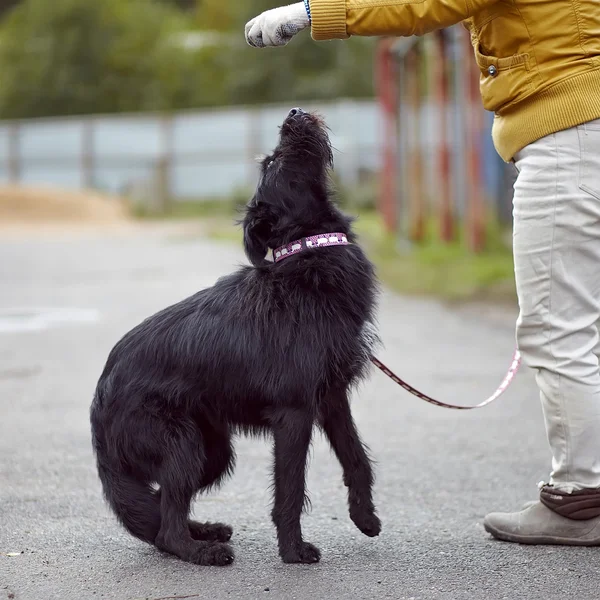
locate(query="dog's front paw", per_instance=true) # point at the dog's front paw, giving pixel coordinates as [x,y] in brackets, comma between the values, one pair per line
[306,553]
[213,554]
[210,532]
[367,522]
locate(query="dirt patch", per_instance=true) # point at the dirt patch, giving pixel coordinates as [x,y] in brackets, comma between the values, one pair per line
[27,206]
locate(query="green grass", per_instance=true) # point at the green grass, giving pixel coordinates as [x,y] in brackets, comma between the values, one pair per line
[446,271]
[206,209]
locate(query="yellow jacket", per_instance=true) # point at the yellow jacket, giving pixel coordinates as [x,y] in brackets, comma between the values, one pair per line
[539,59]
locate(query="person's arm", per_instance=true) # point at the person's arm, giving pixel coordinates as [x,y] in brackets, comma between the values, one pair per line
[339,19]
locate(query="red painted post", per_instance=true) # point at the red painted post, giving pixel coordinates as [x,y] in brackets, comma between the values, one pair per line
[446,223]
[387,93]
[475,212]
[417,198]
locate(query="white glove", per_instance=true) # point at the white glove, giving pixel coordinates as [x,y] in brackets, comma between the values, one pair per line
[276,27]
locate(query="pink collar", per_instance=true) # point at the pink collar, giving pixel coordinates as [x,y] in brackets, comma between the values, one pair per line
[314,241]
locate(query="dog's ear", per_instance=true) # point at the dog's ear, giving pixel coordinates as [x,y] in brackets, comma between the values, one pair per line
[257,225]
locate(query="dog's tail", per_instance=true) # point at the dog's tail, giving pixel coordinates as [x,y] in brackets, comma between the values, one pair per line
[134,502]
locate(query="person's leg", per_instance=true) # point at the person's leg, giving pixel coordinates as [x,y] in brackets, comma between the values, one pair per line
[557,269]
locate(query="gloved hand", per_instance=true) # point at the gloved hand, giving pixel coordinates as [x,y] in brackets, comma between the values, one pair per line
[276,27]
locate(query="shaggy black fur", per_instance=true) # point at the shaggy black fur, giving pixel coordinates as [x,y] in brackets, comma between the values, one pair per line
[272,348]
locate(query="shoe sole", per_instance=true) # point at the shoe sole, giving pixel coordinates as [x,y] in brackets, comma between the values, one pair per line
[539,540]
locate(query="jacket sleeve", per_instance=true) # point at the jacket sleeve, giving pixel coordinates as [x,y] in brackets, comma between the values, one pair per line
[339,19]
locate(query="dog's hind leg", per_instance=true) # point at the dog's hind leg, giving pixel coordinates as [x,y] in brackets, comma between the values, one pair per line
[339,428]
[179,479]
[219,462]
[292,430]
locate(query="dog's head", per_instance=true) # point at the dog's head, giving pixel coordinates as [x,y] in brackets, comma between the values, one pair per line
[292,196]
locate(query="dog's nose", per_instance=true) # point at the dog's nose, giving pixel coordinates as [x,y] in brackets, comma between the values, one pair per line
[295,111]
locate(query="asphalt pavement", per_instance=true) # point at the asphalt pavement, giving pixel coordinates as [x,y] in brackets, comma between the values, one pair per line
[66,297]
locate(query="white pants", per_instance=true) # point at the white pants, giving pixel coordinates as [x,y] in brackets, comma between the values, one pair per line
[557,268]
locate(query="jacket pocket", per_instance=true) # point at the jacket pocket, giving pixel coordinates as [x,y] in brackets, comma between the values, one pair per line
[589,174]
[503,81]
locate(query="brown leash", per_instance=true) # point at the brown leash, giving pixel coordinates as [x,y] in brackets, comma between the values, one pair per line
[512,371]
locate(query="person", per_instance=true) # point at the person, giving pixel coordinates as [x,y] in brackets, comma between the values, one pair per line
[540,75]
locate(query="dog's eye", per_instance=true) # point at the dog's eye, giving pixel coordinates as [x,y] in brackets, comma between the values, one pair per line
[270,162]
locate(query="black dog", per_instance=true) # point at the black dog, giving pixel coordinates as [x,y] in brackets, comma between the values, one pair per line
[273,348]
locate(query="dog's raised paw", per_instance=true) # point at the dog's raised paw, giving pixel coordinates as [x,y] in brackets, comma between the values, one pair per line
[306,554]
[368,523]
[214,555]
[210,532]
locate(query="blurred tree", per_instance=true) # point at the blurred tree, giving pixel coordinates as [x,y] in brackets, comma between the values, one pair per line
[217,15]
[6,5]
[302,70]
[78,57]
[183,4]
[75,56]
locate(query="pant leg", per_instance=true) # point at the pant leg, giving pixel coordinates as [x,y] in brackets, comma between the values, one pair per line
[557,269]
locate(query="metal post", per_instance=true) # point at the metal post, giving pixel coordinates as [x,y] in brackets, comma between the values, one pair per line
[401,49]
[417,217]
[14,152]
[402,172]
[164,164]
[445,189]
[87,153]
[460,56]
[253,145]
[387,93]
[475,215]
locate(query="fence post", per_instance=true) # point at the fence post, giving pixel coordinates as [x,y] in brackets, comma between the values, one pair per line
[460,55]
[165,164]
[402,204]
[387,96]
[14,152]
[417,209]
[87,153]
[348,110]
[253,144]
[475,213]
[444,188]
